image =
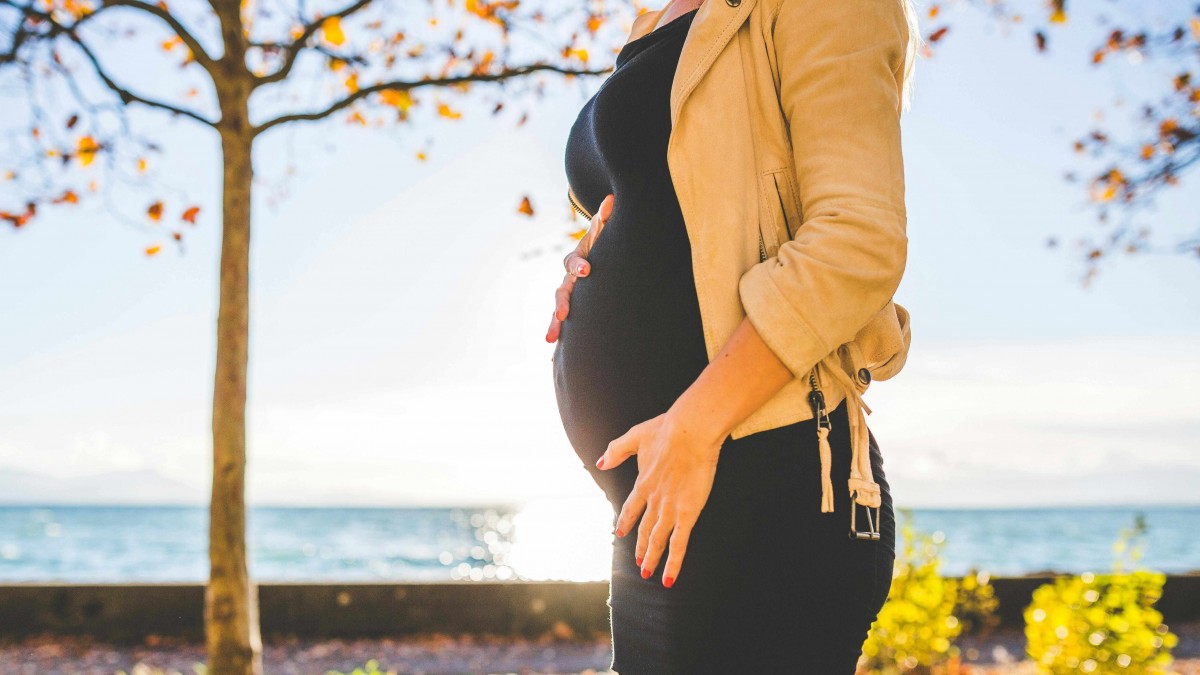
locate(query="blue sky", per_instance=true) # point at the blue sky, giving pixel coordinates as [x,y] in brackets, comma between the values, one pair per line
[399,309]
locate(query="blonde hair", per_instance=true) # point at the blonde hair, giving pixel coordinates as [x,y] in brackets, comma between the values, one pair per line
[915,42]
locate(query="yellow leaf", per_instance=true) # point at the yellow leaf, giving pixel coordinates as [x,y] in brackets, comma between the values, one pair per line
[352,82]
[399,98]
[142,165]
[332,27]
[86,150]
[445,111]
[578,234]
[421,156]
[153,250]
[1059,16]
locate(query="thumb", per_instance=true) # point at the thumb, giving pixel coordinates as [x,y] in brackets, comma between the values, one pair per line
[620,449]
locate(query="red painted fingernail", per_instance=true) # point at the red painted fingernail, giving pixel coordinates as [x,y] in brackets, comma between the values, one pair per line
[638,560]
[620,533]
[668,581]
[646,574]
[600,463]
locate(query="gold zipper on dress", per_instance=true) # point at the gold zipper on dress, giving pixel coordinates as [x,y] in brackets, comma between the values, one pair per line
[575,204]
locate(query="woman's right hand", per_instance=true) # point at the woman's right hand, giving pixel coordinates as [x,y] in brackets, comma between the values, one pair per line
[577,266]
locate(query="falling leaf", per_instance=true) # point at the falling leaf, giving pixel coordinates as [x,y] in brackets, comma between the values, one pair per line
[526,206]
[332,28]
[352,82]
[938,34]
[579,234]
[421,155]
[141,165]
[445,111]
[72,120]
[155,211]
[67,197]
[153,250]
[189,216]
[86,150]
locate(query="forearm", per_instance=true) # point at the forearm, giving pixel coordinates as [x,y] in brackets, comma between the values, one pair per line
[743,376]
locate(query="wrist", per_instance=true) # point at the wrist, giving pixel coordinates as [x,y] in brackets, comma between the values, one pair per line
[689,417]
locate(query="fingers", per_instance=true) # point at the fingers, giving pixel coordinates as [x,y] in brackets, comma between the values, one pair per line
[679,541]
[620,448]
[562,297]
[577,266]
[631,510]
[652,535]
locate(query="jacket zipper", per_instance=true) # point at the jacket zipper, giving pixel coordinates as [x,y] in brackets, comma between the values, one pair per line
[816,398]
[575,204]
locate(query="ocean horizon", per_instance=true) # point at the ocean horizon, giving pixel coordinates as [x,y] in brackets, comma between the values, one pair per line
[554,539]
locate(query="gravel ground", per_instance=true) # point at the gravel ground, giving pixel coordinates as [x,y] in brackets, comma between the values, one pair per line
[999,654]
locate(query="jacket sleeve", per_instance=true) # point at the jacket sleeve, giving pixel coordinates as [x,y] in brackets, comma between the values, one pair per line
[840,67]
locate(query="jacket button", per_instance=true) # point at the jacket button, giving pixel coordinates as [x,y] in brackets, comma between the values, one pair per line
[864,376]
[733,3]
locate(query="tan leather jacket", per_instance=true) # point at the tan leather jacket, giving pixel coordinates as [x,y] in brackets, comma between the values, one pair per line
[792,191]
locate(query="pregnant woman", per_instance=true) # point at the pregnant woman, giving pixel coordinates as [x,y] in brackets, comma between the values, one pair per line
[771,583]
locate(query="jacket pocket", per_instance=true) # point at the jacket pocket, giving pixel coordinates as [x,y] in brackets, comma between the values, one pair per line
[779,213]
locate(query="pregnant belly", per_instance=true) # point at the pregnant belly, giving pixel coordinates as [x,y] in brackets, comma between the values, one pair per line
[631,343]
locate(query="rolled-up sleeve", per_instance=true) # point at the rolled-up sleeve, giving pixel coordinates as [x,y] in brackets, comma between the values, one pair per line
[840,67]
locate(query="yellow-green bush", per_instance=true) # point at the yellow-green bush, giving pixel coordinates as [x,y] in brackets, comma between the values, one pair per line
[917,626]
[1101,623]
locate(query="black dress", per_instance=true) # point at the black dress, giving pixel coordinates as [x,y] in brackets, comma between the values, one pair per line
[769,583]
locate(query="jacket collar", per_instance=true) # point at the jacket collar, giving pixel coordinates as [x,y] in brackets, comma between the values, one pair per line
[715,23]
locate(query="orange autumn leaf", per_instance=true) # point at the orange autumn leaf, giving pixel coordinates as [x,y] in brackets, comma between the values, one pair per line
[86,149]
[399,98]
[153,250]
[445,111]
[155,211]
[332,29]
[526,206]
[352,82]
[938,34]
[67,197]
[578,234]
[141,165]
[189,216]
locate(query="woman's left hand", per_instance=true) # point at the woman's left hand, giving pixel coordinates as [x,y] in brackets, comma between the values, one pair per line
[676,467]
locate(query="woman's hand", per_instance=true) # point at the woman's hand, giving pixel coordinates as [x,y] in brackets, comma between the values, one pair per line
[677,462]
[577,266]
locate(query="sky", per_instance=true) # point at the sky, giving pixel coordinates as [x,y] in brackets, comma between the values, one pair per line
[399,310]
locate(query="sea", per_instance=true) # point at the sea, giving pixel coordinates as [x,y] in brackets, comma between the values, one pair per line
[540,540]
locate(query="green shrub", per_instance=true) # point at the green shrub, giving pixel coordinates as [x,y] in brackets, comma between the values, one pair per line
[925,611]
[1101,623]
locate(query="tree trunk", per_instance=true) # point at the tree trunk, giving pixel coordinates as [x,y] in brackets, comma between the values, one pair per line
[231,622]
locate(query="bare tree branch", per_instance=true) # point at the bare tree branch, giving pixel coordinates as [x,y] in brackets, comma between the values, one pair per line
[202,57]
[57,29]
[402,85]
[292,50]
[127,96]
